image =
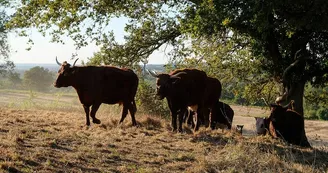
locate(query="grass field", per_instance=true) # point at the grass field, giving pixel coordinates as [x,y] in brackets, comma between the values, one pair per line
[46,133]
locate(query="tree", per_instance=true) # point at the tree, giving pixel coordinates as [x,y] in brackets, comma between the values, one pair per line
[286,39]
[14,79]
[4,47]
[38,78]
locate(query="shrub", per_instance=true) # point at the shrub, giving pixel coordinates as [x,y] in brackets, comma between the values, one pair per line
[38,78]
[311,115]
[147,102]
[322,113]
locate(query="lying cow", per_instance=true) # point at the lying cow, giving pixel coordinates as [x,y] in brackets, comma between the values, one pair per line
[283,123]
[262,124]
[100,84]
[221,114]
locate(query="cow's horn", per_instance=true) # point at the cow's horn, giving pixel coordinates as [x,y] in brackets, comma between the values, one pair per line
[265,102]
[58,62]
[153,73]
[290,104]
[75,62]
[176,75]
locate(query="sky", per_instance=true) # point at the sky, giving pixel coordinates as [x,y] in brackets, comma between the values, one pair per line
[44,52]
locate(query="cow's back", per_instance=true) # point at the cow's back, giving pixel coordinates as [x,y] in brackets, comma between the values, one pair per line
[192,82]
[222,113]
[120,81]
[108,84]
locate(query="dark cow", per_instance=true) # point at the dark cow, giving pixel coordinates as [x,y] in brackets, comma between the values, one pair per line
[283,123]
[100,84]
[182,88]
[222,113]
[211,97]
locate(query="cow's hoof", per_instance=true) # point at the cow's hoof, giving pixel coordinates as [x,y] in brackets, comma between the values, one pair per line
[179,130]
[173,130]
[96,121]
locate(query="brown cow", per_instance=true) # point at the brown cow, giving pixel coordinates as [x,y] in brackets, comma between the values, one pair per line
[182,88]
[100,84]
[283,123]
[211,98]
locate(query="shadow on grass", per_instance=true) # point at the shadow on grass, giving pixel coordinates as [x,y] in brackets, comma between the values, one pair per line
[151,123]
[213,140]
[312,157]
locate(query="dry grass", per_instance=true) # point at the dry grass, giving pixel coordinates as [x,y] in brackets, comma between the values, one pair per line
[57,141]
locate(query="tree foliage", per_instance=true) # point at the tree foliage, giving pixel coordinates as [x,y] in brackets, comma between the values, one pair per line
[254,41]
[38,78]
[5,64]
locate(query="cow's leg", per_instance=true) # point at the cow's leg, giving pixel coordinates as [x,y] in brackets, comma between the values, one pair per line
[196,117]
[186,117]
[173,112]
[206,117]
[212,118]
[124,111]
[133,110]
[191,118]
[174,121]
[87,110]
[180,117]
[94,109]
[196,121]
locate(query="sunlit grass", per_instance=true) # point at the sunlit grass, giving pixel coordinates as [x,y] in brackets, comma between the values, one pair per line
[47,133]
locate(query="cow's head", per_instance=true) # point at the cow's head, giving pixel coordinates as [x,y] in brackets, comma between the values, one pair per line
[262,125]
[65,74]
[278,113]
[164,83]
[278,110]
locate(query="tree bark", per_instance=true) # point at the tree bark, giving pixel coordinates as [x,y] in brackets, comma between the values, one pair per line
[296,93]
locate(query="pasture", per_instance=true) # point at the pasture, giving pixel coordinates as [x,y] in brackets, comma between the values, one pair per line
[47,133]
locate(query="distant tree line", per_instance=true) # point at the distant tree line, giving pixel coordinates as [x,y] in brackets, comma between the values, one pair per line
[37,79]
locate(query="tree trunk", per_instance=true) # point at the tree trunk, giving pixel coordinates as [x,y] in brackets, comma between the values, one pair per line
[296,93]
